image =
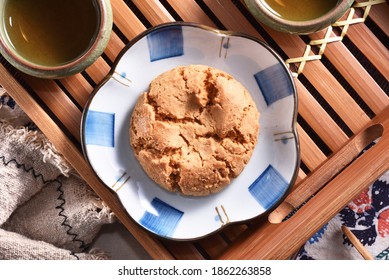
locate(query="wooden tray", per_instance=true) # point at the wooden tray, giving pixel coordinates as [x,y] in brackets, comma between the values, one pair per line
[342,84]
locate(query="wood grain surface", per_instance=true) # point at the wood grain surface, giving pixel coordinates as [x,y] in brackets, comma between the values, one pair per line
[340,96]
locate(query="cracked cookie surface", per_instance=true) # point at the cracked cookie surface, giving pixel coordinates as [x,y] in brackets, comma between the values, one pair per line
[194,130]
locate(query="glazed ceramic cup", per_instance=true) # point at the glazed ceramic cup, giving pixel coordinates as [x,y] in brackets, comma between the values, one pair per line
[78,63]
[262,12]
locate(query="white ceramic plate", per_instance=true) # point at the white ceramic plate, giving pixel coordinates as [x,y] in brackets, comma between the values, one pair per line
[267,177]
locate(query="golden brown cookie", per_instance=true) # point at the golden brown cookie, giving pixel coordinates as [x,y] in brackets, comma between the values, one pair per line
[194,130]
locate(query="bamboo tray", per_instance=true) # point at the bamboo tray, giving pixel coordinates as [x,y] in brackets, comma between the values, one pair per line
[341,75]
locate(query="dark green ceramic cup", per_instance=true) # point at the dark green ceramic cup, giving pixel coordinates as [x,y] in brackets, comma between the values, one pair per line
[78,61]
[261,11]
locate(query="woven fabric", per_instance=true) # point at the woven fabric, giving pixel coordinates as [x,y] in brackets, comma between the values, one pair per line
[46,210]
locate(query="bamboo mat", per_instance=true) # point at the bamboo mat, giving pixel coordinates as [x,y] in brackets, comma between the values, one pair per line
[341,75]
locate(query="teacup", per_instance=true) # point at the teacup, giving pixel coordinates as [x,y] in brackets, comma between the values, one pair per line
[298,16]
[54,39]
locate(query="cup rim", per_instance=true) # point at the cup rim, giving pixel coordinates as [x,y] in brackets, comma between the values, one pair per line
[35,67]
[294,26]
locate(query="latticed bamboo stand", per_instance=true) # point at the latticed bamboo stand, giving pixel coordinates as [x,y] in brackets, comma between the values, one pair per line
[341,75]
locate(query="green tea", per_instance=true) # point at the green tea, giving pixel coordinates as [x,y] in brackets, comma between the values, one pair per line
[51,32]
[300,10]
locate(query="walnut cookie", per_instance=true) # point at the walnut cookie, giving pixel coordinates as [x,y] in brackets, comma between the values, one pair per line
[194,130]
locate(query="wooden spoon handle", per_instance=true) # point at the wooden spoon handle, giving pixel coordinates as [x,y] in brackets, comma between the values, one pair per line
[325,172]
[357,244]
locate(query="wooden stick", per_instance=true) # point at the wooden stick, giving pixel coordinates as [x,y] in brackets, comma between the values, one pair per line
[325,172]
[357,244]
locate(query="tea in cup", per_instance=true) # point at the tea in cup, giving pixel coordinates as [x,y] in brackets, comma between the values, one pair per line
[53,39]
[298,16]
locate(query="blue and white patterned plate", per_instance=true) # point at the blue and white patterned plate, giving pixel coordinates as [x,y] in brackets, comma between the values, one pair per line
[266,178]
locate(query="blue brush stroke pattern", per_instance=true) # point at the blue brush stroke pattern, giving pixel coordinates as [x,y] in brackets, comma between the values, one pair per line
[274,83]
[100,129]
[165,43]
[318,235]
[268,188]
[165,222]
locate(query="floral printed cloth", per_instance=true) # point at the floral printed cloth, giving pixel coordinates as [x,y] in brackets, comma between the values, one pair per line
[367,216]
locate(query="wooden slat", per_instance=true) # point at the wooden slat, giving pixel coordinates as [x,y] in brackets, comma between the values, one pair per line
[154,11]
[78,87]
[126,20]
[319,119]
[58,102]
[311,155]
[184,250]
[98,70]
[213,245]
[301,175]
[371,47]
[379,14]
[353,72]
[233,232]
[231,17]
[338,98]
[115,45]
[191,11]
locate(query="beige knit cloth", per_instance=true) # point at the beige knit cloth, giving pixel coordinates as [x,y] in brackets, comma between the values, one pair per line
[46,210]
